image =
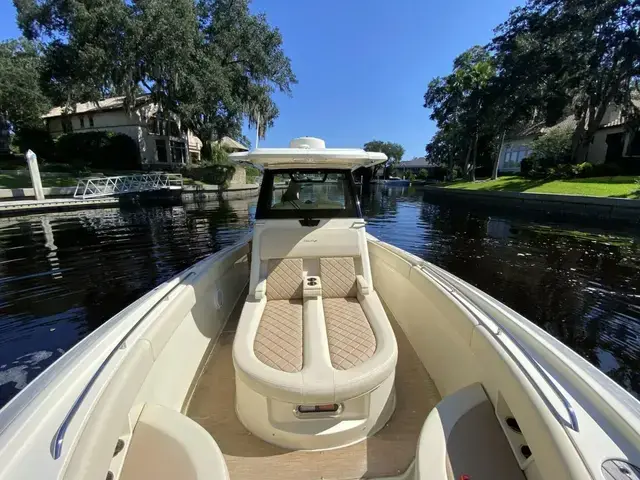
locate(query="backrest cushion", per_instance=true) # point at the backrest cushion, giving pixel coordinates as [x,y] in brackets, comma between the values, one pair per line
[284,280]
[338,277]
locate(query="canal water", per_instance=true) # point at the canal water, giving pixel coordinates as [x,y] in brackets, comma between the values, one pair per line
[63,274]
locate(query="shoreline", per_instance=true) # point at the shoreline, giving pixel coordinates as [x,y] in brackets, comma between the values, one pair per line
[612,208]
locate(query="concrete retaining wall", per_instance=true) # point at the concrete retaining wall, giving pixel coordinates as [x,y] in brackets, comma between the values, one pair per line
[190,192]
[26,193]
[25,173]
[578,205]
[212,192]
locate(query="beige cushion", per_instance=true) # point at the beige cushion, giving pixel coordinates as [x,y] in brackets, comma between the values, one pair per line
[278,342]
[351,339]
[318,380]
[338,276]
[461,436]
[167,445]
[284,280]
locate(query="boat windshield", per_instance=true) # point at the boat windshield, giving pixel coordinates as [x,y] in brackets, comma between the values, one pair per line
[318,193]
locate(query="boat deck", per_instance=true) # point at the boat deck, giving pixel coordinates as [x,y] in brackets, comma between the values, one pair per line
[389,453]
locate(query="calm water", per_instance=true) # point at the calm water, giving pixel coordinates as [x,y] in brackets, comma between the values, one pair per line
[63,274]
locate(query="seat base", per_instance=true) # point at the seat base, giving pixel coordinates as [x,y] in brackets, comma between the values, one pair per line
[168,445]
[462,437]
[280,423]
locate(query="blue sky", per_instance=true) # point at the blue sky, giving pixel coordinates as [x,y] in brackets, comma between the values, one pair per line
[362,65]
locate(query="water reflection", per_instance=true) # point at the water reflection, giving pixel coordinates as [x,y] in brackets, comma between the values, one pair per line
[581,285]
[63,274]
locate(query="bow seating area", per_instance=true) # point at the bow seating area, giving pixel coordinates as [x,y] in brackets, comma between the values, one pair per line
[315,354]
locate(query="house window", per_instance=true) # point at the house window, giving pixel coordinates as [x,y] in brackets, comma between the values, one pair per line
[81,122]
[161,151]
[157,126]
[178,152]
[514,154]
[633,149]
[90,121]
[173,129]
[67,126]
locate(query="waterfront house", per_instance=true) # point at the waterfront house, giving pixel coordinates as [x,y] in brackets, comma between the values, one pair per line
[612,142]
[414,166]
[162,143]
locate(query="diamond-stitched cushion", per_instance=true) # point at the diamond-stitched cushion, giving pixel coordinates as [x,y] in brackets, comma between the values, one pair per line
[338,276]
[351,339]
[278,341]
[284,280]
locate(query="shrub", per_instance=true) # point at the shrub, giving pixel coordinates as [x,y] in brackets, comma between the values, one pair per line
[252,173]
[9,161]
[552,148]
[98,150]
[629,166]
[38,140]
[441,173]
[563,170]
[120,152]
[584,170]
[58,168]
[213,154]
[211,174]
[526,166]
[606,170]
[423,174]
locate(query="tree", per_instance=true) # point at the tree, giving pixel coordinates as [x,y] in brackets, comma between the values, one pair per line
[460,103]
[583,51]
[210,63]
[22,102]
[393,151]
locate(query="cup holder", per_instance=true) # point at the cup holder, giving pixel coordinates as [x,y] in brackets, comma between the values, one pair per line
[312,281]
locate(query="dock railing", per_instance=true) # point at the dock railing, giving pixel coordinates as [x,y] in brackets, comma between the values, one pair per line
[94,187]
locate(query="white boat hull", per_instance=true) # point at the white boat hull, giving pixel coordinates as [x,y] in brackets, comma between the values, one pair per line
[150,356]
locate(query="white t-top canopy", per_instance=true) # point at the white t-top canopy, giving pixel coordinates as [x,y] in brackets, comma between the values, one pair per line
[310,152]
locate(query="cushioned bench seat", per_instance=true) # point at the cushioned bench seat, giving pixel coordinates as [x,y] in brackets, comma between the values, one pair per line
[351,339]
[321,350]
[278,341]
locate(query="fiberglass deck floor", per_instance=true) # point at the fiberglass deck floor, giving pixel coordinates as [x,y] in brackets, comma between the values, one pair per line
[388,453]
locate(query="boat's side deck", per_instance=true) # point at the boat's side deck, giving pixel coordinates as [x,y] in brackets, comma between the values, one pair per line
[389,453]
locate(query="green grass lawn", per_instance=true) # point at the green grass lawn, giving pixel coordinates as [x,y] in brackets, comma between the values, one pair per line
[622,186]
[24,181]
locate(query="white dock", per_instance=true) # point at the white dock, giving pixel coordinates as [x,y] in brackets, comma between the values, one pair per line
[12,206]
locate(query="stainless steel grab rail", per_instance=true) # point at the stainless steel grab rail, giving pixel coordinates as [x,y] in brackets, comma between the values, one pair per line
[573,419]
[58,438]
